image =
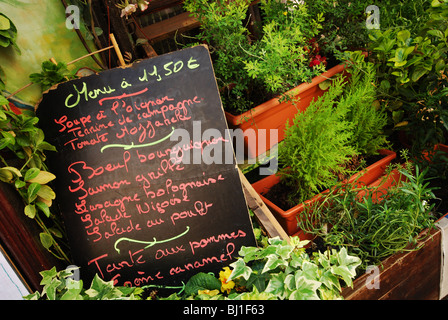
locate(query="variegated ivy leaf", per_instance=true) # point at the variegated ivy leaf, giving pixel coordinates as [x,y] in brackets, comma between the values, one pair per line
[240,270]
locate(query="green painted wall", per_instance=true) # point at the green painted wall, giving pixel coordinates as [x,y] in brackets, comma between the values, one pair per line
[42,34]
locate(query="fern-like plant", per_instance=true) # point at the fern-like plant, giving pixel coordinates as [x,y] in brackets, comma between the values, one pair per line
[365,112]
[316,145]
[345,122]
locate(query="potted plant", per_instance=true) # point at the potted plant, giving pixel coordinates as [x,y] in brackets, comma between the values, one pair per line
[22,155]
[264,71]
[413,274]
[395,237]
[373,228]
[324,143]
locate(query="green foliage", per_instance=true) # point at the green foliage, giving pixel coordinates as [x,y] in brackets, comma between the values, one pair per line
[316,145]
[61,286]
[224,31]
[404,60]
[249,66]
[345,24]
[286,271]
[412,75]
[51,74]
[277,270]
[25,170]
[201,281]
[8,33]
[365,112]
[368,228]
[280,58]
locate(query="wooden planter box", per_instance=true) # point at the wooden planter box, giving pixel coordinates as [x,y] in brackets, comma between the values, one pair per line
[273,114]
[413,275]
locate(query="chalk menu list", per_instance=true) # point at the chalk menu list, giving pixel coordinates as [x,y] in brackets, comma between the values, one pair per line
[144,182]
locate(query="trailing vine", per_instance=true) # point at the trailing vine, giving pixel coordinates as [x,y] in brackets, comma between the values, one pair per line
[22,158]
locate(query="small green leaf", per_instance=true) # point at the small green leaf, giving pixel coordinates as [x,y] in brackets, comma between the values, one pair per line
[33,189]
[19,184]
[56,232]
[440,65]
[5,24]
[30,211]
[46,146]
[240,270]
[8,137]
[273,262]
[46,240]
[8,174]
[276,285]
[50,289]
[48,275]
[46,193]
[202,281]
[31,174]
[3,101]
[324,85]
[436,33]
[418,73]
[74,289]
[44,208]
[99,288]
[43,177]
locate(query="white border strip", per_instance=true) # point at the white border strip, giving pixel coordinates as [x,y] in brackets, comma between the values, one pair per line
[443,226]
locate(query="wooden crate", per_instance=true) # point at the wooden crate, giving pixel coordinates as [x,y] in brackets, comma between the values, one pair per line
[413,275]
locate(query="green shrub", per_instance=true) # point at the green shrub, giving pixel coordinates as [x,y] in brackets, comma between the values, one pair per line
[366,113]
[370,229]
[411,67]
[252,68]
[316,145]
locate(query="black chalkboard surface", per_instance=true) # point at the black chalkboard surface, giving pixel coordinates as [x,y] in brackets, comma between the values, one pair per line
[146,178]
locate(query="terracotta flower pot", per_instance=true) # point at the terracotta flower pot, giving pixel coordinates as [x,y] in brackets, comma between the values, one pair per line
[437,147]
[273,114]
[288,218]
[383,183]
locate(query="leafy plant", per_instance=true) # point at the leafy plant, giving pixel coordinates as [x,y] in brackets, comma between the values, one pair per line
[23,167]
[404,14]
[280,59]
[411,69]
[223,29]
[366,113]
[316,145]
[402,60]
[61,286]
[375,225]
[51,74]
[251,67]
[277,270]
[345,24]
[286,271]
[8,33]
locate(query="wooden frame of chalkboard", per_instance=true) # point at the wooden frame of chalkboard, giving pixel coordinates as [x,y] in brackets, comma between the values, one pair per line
[147,181]
[13,285]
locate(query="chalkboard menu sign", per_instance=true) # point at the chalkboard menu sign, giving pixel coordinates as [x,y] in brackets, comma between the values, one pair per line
[146,178]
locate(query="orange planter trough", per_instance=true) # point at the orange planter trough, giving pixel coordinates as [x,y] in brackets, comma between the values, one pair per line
[288,218]
[258,122]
